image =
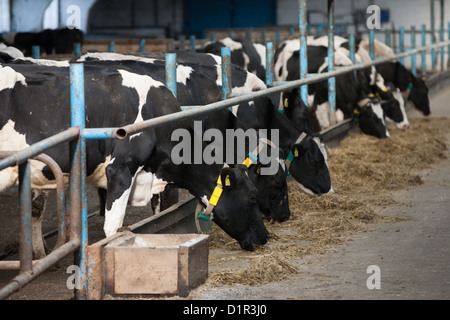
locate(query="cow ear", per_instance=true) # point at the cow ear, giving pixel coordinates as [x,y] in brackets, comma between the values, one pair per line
[228,177]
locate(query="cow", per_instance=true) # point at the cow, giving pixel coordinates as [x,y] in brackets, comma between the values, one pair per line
[353,100]
[8,53]
[195,89]
[391,100]
[413,89]
[59,41]
[246,54]
[116,97]
[317,183]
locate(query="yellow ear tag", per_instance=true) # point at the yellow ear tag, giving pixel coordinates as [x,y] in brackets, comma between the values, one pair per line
[227,181]
[286,103]
[296,153]
[258,170]
[384,90]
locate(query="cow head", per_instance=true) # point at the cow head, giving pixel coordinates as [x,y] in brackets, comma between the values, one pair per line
[369,116]
[419,95]
[272,195]
[237,211]
[309,165]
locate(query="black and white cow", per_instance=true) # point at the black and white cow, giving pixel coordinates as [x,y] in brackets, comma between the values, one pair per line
[317,183]
[116,97]
[353,100]
[8,53]
[57,41]
[413,89]
[246,54]
[194,89]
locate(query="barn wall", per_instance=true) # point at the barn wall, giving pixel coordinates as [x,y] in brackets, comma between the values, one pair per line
[27,15]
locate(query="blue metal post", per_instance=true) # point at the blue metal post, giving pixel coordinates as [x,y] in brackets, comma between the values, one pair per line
[277,38]
[226,72]
[231,34]
[433,39]
[77,49]
[441,33]
[371,44]
[448,48]
[142,45]
[36,52]
[192,42]
[402,43]
[111,46]
[25,249]
[387,37]
[213,37]
[303,23]
[413,46]
[424,53]
[171,72]
[351,42]
[332,80]
[247,34]
[77,105]
[269,64]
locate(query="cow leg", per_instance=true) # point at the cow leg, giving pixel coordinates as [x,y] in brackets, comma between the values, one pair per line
[37,213]
[156,203]
[120,184]
[168,197]
[102,201]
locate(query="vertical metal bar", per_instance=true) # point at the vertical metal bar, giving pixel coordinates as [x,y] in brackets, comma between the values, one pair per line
[413,46]
[171,72]
[247,34]
[77,49]
[387,37]
[142,45]
[277,38]
[402,43]
[424,53]
[351,42]
[192,42]
[448,48]
[371,44]
[231,34]
[269,64]
[332,80]
[433,39]
[226,72]
[213,37]
[303,23]
[25,249]
[36,52]
[111,46]
[441,34]
[77,103]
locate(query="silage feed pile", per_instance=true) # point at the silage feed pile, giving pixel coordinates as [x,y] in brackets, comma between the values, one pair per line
[365,172]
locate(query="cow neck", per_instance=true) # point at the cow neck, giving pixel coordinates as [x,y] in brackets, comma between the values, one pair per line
[270,118]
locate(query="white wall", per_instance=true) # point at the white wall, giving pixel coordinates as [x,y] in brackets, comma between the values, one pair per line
[4,16]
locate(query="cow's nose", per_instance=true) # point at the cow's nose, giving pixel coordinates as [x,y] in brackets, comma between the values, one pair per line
[406,126]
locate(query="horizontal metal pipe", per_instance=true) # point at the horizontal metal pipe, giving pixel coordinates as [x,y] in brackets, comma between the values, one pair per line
[13,265]
[22,156]
[169,118]
[101,133]
[39,267]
